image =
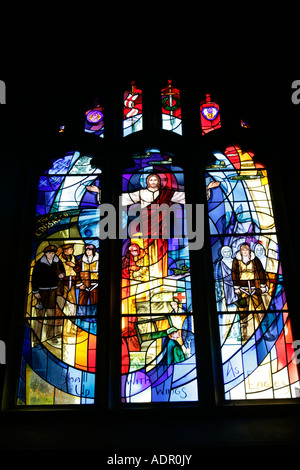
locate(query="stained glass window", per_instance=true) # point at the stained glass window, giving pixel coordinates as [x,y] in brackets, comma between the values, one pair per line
[158,347]
[210,115]
[94,120]
[253,317]
[58,362]
[132,110]
[171,109]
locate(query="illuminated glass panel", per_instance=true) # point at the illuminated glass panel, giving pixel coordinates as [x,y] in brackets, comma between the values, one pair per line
[245,124]
[94,120]
[158,347]
[254,324]
[171,109]
[58,361]
[132,111]
[210,115]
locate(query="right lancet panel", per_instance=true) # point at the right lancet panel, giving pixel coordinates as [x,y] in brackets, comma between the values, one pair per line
[254,323]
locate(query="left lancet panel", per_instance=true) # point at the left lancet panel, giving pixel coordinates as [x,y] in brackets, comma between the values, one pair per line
[58,362]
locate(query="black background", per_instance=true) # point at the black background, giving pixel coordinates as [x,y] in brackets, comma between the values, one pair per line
[45,81]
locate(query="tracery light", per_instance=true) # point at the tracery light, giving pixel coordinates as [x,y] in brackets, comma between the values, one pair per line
[171,108]
[132,110]
[94,120]
[58,362]
[254,324]
[210,115]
